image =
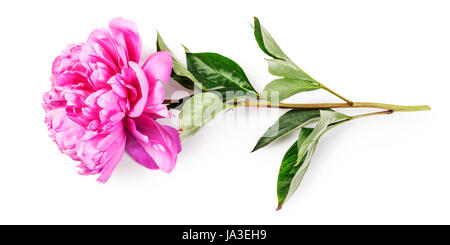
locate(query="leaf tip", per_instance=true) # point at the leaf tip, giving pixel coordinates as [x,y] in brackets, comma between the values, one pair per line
[158,34]
[280,205]
[255,19]
[186,49]
[256,24]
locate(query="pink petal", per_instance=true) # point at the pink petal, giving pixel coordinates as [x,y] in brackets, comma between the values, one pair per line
[158,66]
[101,153]
[125,33]
[114,155]
[155,94]
[138,153]
[174,136]
[109,100]
[130,125]
[158,111]
[101,50]
[161,146]
[118,86]
[141,84]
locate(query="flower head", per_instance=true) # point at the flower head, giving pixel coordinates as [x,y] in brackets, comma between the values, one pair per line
[102,102]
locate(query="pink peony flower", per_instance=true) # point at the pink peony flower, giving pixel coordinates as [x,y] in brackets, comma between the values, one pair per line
[103,103]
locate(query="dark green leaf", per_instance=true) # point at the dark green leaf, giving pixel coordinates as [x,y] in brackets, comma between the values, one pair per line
[286,124]
[183,81]
[290,174]
[297,159]
[216,71]
[266,42]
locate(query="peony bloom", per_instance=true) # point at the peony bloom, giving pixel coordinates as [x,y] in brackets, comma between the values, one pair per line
[103,103]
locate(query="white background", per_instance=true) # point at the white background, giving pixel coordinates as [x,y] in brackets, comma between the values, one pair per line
[391,169]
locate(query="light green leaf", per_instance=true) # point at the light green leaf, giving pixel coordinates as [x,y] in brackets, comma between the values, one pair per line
[282,88]
[285,69]
[216,71]
[326,119]
[199,110]
[179,72]
[266,42]
[287,123]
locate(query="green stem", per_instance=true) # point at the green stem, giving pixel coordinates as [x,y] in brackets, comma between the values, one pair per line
[323,86]
[335,94]
[371,114]
[337,105]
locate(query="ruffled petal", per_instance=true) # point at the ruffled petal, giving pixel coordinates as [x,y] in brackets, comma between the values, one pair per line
[113,157]
[126,34]
[101,55]
[141,84]
[66,133]
[102,152]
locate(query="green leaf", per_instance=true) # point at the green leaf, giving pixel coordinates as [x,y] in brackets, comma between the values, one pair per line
[266,42]
[285,69]
[290,174]
[229,94]
[295,163]
[295,79]
[282,88]
[199,110]
[216,71]
[326,119]
[183,81]
[287,123]
[179,72]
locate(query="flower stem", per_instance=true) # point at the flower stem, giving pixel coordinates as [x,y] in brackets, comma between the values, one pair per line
[337,105]
[388,107]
